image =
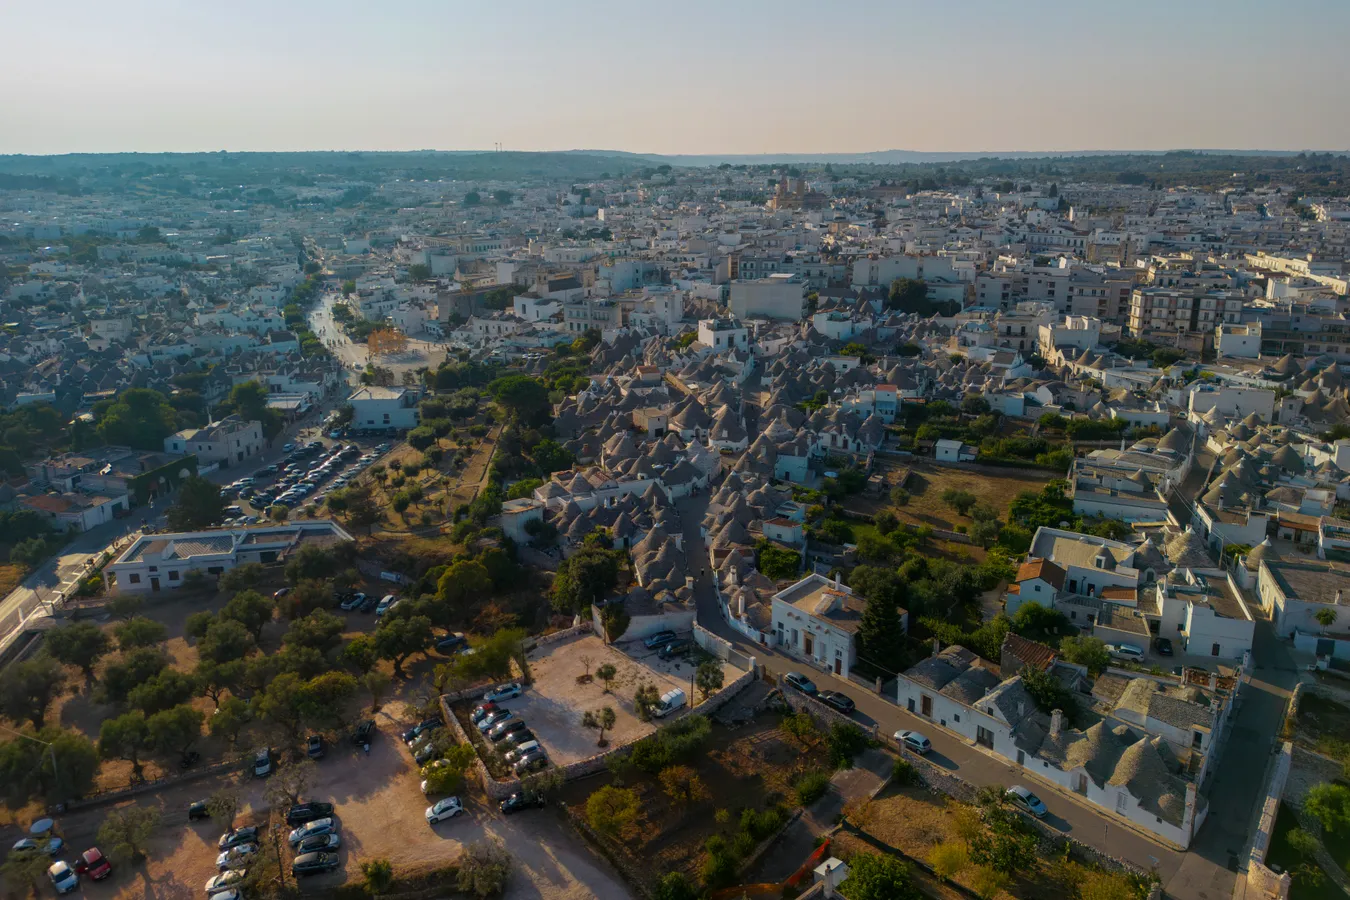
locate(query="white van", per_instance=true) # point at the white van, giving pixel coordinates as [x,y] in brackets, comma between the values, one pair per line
[670,701]
[1126,651]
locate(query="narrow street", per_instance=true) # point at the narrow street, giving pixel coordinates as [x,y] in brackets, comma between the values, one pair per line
[1206,872]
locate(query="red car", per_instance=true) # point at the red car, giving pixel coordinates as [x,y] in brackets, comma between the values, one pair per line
[94,864]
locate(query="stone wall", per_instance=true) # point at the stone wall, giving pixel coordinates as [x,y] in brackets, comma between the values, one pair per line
[1261,881]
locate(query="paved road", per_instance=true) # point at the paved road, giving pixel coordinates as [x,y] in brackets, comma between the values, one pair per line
[1202,874]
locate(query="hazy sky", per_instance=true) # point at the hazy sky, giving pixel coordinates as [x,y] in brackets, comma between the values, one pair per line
[733,76]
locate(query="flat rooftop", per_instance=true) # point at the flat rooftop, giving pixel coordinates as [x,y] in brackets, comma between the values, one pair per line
[1309,582]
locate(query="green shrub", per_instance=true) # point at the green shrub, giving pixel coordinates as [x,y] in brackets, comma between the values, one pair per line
[904,773]
[810,787]
[844,742]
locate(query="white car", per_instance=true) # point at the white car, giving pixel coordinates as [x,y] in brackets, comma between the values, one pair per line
[63,877]
[225,881]
[444,809]
[503,692]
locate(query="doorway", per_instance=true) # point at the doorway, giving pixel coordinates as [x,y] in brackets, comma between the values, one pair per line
[154,582]
[808,644]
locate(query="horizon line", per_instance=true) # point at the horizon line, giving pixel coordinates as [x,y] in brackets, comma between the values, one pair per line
[595,151]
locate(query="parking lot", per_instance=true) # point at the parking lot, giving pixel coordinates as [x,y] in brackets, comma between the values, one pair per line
[552,706]
[301,479]
[554,703]
[380,812]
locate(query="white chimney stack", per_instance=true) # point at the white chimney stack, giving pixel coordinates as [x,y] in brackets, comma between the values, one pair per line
[831,873]
[1056,722]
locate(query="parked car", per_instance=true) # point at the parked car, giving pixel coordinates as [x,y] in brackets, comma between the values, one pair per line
[245,835]
[1025,800]
[677,647]
[427,752]
[364,732]
[301,813]
[225,881]
[452,642]
[482,710]
[841,702]
[63,877]
[387,602]
[198,810]
[1132,652]
[352,601]
[320,842]
[516,738]
[661,638]
[421,728]
[801,683]
[913,741]
[491,720]
[504,729]
[522,800]
[503,692]
[262,762]
[326,825]
[315,748]
[514,755]
[444,809]
[93,863]
[51,846]
[234,857]
[1162,646]
[531,761]
[369,605]
[314,863]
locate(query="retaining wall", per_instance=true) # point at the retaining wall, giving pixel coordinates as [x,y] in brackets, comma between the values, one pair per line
[1261,881]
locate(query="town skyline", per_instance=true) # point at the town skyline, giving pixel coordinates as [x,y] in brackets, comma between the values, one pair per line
[1051,76]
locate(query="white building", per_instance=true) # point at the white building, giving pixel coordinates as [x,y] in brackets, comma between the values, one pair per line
[779,296]
[227,442]
[156,562]
[816,620]
[394,409]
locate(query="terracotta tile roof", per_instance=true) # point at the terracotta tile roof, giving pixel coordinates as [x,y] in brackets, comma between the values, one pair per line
[1031,653]
[1043,569]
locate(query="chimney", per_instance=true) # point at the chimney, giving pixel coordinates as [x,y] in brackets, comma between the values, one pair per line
[829,874]
[1056,722]
[740,603]
[937,646]
[1021,709]
[1213,681]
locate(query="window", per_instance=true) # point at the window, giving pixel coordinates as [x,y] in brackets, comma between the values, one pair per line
[1197,740]
[984,737]
[1214,650]
[173,575]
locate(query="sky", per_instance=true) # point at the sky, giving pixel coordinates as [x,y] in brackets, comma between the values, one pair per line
[696,76]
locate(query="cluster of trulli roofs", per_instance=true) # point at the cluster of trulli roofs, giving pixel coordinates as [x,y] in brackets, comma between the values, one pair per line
[1231,505]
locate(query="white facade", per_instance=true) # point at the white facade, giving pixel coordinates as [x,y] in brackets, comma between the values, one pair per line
[386,408]
[156,562]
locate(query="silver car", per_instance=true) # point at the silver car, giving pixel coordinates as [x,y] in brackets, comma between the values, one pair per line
[326,825]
